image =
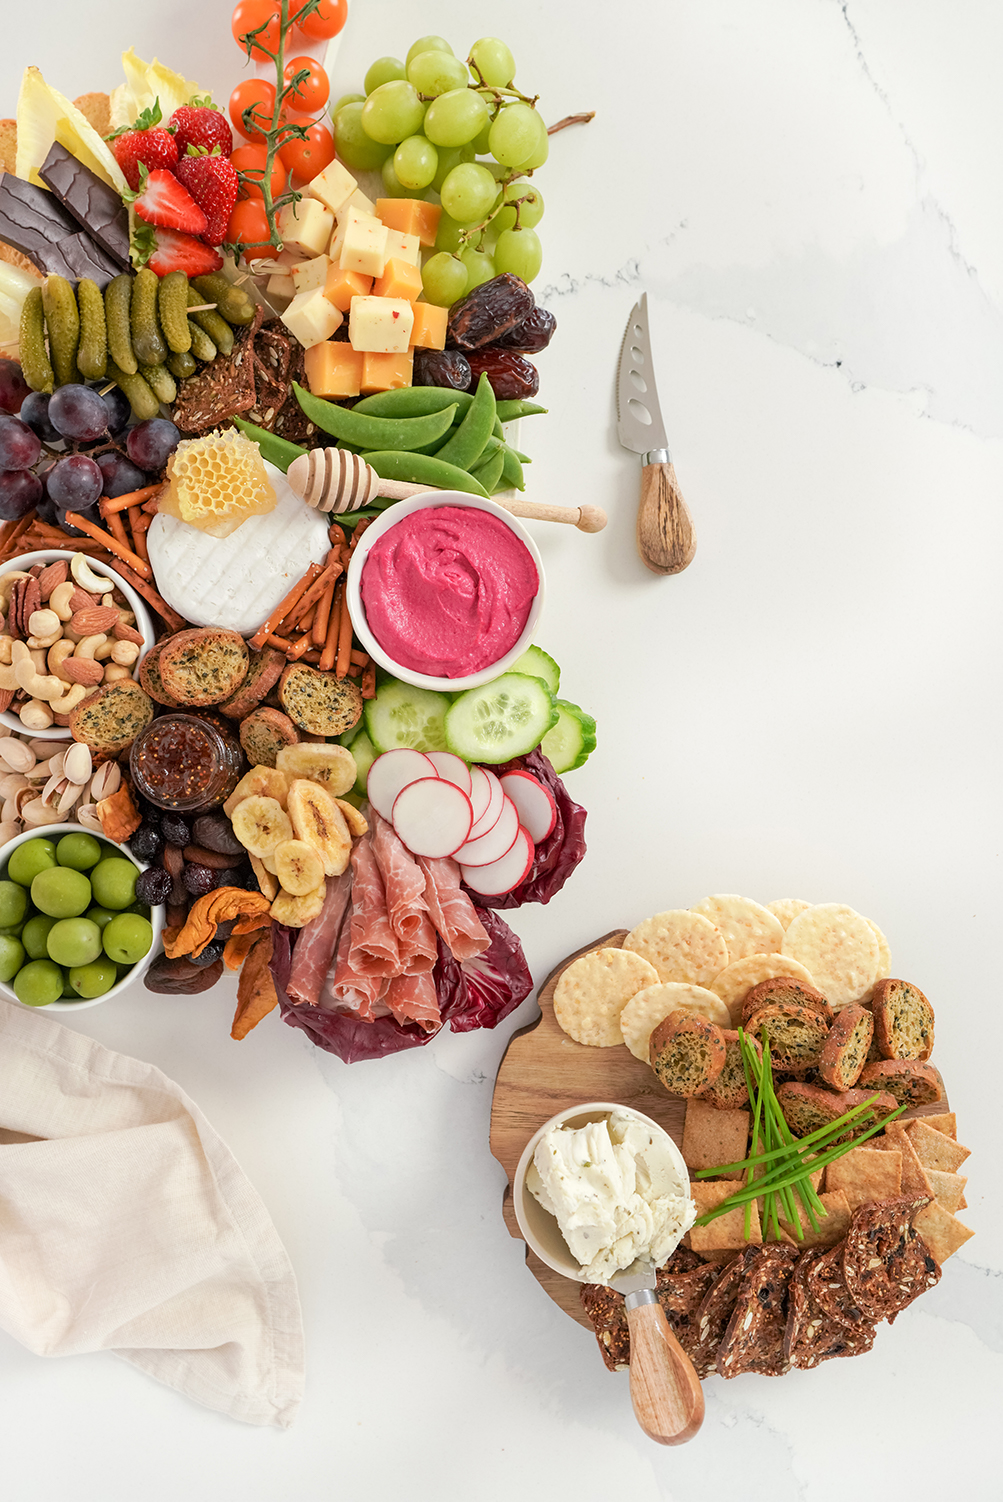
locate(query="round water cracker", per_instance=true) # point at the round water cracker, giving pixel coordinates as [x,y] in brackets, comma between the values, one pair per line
[786,908]
[682,945]
[734,984]
[884,953]
[649,1007]
[747,926]
[839,947]
[593,990]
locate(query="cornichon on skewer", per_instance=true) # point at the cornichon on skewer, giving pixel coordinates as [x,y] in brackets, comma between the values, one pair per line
[35,363]
[377,433]
[118,315]
[62,324]
[208,319]
[234,304]
[92,351]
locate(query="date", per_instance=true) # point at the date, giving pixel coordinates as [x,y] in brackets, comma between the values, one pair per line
[511,375]
[180,977]
[532,335]
[441,367]
[489,311]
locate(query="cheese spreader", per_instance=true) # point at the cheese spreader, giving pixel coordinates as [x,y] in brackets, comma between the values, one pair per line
[664,1388]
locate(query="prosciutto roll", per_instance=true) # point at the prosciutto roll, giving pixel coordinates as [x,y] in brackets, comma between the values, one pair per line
[450,909]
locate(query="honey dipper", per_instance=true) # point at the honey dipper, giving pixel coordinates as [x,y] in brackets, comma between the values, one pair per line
[336,480]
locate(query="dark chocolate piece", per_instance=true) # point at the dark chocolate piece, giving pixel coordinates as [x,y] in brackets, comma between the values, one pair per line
[31,220]
[96,207]
[83,257]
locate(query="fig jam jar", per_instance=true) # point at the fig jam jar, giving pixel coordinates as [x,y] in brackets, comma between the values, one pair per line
[183,762]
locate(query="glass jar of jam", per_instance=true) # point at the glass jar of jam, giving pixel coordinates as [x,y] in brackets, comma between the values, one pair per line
[181,761]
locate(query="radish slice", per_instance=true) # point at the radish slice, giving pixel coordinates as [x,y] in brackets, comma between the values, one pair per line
[482,850]
[500,877]
[393,771]
[432,817]
[453,768]
[496,799]
[480,791]
[535,803]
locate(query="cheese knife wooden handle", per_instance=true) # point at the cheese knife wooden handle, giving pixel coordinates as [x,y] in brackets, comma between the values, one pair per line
[666,540]
[664,1387]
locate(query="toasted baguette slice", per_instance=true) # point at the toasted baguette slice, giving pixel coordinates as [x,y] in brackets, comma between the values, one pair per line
[203,666]
[319,702]
[687,1052]
[796,1034]
[784,990]
[729,1091]
[149,676]
[262,674]
[911,1082]
[110,719]
[903,1021]
[264,733]
[844,1052]
[805,1108]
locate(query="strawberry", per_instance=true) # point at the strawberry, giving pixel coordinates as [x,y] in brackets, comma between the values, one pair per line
[212,180]
[144,143]
[164,201]
[178,252]
[200,123]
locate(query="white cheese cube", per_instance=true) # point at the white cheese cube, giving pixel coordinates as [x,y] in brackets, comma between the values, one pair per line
[306,226]
[310,274]
[403,247]
[334,186]
[279,286]
[311,318]
[364,244]
[381,325]
[358,200]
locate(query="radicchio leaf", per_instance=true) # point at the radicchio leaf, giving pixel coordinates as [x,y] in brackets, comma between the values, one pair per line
[556,856]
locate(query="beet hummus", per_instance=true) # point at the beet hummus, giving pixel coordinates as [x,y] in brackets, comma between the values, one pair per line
[448,590]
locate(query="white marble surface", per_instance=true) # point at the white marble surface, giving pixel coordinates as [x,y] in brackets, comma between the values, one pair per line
[809,191]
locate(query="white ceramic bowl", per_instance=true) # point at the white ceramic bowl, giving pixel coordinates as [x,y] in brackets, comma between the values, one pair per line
[144,625]
[356,610]
[540,1230]
[55,833]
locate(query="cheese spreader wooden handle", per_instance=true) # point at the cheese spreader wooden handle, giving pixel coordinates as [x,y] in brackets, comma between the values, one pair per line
[664,1387]
[666,539]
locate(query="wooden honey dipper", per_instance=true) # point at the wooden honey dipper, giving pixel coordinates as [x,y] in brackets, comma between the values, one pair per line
[336,480]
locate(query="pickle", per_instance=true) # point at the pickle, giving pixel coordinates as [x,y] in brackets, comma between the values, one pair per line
[217,328]
[117,305]
[202,346]
[172,305]
[92,355]
[147,339]
[232,302]
[141,399]
[62,321]
[34,356]
[160,382]
[182,364]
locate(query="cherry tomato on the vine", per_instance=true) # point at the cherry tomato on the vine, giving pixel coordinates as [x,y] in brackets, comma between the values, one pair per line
[248,227]
[250,160]
[323,23]
[311,93]
[256,93]
[305,158]
[248,15]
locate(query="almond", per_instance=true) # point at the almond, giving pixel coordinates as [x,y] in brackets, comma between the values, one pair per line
[6,698]
[92,621]
[81,600]
[122,632]
[83,670]
[51,575]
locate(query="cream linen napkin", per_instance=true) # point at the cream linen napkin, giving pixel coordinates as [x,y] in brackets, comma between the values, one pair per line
[131,1228]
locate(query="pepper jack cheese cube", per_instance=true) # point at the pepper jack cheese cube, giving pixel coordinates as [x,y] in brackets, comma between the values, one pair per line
[280,285]
[306,226]
[381,325]
[311,318]
[412,216]
[334,370]
[359,201]
[401,247]
[363,244]
[310,274]
[385,372]
[399,279]
[342,286]
[429,331]
[334,186]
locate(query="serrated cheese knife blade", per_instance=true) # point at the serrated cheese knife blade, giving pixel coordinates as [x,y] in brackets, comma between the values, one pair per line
[638,415]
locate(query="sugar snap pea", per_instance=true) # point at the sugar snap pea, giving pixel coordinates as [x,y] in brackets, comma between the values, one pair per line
[277,451]
[423,469]
[92,352]
[466,445]
[414,401]
[508,411]
[380,433]
[172,307]
[147,340]
[489,473]
[117,308]
[62,323]
[512,469]
[217,328]
[35,364]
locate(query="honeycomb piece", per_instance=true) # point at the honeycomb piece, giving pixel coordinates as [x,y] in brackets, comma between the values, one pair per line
[216,482]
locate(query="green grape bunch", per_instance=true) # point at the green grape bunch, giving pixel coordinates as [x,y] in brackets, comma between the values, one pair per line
[434,124]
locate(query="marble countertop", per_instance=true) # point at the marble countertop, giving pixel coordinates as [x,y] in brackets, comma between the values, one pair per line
[809,192]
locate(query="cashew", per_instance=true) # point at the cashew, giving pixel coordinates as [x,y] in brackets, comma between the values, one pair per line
[6,648]
[35,715]
[7,584]
[70,699]
[43,643]
[88,646]
[7,679]
[43,623]
[105,650]
[115,672]
[85,576]
[59,600]
[125,653]
[108,599]
[30,679]
[58,654]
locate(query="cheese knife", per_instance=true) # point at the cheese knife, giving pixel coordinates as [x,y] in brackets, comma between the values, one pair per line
[665,537]
[664,1387]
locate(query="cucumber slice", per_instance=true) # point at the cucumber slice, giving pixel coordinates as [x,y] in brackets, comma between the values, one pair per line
[365,754]
[502,719]
[401,715]
[572,740]
[539,664]
[348,736]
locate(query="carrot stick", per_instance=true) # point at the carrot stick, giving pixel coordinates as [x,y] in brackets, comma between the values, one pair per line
[344,641]
[323,615]
[111,543]
[132,498]
[369,682]
[327,656]
[285,606]
[169,616]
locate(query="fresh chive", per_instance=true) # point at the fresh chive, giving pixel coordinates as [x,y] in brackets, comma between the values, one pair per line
[818,1138]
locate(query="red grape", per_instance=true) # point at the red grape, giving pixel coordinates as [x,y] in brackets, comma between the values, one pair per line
[119,410]
[13,386]
[19,492]
[120,477]
[78,413]
[74,483]
[35,412]
[151,443]
[19,446]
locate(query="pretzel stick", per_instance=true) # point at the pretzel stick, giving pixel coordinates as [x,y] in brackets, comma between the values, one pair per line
[299,647]
[140,521]
[332,569]
[132,498]
[336,536]
[284,607]
[327,656]
[344,641]
[369,682]
[111,543]
[323,616]
[139,541]
[360,527]
[150,506]
[360,659]
[116,526]
[168,616]
[11,531]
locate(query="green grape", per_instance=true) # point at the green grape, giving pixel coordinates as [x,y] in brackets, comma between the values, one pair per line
[114,883]
[450,157]
[392,185]
[480,144]
[348,99]
[61,893]
[428,44]
[88,981]
[81,851]
[480,268]
[383,70]
[30,858]
[530,212]
[354,147]
[13,900]
[540,153]
[416,162]
[34,936]
[74,941]
[127,938]
[468,192]
[514,134]
[456,118]
[493,61]
[443,279]
[392,112]
[436,73]
[520,252]
[38,984]
[448,234]
[12,951]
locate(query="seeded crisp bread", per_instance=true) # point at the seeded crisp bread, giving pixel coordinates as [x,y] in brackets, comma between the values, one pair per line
[754,1338]
[886,1262]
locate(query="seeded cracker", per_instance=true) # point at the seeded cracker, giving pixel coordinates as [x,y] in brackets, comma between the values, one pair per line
[886,1263]
[592,993]
[650,1006]
[839,948]
[754,1339]
[734,984]
[682,946]
[811,1335]
[747,926]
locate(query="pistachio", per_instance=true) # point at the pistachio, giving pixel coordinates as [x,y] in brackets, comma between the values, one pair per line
[16,754]
[78,763]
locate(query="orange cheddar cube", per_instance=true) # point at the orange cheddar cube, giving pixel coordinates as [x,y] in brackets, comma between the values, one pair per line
[429,331]
[334,369]
[412,216]
[385,372]
[341,286]
[399,279]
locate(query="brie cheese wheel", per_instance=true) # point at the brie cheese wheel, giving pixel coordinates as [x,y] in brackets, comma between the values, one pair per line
[237,581]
